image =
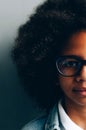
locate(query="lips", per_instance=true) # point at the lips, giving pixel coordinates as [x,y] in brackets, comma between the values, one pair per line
[80,91]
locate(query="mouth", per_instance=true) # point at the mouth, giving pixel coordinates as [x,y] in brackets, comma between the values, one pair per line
[81,92]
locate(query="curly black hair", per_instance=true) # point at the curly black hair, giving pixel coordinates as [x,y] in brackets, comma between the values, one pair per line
[40,41]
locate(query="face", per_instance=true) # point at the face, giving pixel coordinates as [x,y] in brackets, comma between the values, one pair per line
[74,88]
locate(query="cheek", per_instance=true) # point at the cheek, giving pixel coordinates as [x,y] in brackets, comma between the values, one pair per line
[66,83]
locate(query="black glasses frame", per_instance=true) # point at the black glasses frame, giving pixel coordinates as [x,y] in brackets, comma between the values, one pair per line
[81,63]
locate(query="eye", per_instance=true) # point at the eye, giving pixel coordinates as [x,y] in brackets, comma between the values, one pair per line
[70,64]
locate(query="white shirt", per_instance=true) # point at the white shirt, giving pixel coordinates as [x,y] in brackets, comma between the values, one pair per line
[67,123]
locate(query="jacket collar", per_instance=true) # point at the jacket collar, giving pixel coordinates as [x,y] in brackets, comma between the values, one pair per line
[53,121]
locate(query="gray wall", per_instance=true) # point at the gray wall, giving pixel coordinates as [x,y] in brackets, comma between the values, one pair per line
[16,108]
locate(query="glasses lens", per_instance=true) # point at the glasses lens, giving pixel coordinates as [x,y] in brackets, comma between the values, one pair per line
[67,66]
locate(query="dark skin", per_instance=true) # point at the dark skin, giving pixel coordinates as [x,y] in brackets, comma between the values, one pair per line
[75,101]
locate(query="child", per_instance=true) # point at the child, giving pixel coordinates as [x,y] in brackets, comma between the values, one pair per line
[50,54]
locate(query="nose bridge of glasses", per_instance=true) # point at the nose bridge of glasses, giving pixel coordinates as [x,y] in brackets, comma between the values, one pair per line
[84,62]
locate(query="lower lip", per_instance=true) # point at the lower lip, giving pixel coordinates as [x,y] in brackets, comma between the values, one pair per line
[80,92]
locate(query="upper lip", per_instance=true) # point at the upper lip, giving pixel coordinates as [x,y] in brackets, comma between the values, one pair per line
[79,89]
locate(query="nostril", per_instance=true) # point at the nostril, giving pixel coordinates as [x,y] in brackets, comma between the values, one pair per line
[80,79]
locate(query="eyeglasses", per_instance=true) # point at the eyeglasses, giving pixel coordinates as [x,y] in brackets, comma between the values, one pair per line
[69,66]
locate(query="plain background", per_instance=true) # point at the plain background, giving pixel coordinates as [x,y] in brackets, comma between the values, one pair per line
[16,108]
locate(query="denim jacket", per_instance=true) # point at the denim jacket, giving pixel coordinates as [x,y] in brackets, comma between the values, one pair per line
[50,122]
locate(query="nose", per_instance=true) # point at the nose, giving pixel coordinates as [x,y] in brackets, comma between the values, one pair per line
[81,77]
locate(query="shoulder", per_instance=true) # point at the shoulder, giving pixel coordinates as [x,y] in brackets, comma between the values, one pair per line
[46,122]
[37,124]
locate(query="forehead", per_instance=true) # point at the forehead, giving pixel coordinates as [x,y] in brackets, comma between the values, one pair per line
[76,45]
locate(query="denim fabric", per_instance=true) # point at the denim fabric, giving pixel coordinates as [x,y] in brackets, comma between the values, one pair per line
[37,124]
[50,122]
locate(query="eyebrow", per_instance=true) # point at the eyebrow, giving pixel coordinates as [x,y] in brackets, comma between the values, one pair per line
[72,56]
